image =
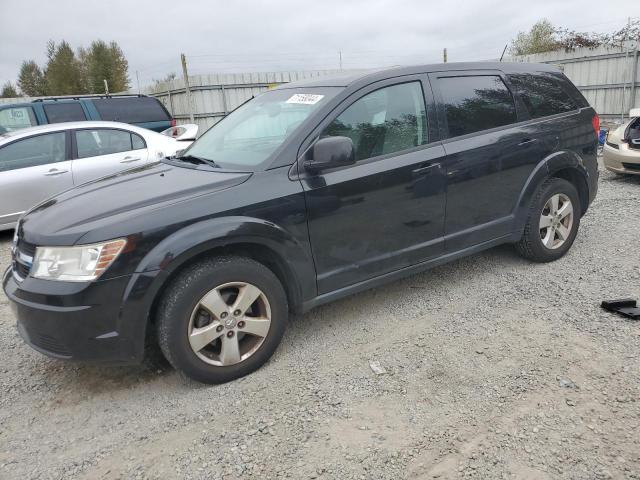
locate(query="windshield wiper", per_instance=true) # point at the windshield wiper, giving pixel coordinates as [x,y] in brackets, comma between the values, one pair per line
[194,159]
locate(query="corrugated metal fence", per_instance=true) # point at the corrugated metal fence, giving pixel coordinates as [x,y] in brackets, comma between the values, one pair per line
[607,76]
[213,96]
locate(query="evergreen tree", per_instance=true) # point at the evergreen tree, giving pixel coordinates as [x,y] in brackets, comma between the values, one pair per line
[9,91]
[64,72]
[31,80]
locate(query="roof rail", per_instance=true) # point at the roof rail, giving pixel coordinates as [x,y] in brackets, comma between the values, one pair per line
[78,97]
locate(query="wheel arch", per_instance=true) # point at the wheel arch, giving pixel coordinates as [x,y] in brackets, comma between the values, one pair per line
[563,164]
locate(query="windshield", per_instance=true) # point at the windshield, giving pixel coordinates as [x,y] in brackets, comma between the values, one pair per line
[251,133]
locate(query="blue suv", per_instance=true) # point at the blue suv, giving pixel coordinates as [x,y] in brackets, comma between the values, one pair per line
[139,110]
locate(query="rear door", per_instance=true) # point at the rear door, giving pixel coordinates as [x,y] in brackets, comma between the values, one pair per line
[145,112]
[31,170]
[489,156]
[98,152]
[64,111]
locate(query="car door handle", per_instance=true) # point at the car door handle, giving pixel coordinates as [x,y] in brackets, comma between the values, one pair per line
[54,172]
[527,141]
[424,170]
[130,159]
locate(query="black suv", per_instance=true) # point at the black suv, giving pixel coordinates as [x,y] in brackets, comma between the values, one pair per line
[305,194]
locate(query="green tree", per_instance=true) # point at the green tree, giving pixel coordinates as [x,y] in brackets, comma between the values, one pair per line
[541,38]
[64,73]
[31,79]
[102,61]
[9,91]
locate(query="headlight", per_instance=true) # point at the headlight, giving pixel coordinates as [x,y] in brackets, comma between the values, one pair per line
[81,263]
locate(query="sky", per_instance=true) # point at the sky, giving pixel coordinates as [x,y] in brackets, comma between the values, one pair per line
[248,36]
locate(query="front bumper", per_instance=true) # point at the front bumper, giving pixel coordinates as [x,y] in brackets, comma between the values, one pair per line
[621,160]
[102,321]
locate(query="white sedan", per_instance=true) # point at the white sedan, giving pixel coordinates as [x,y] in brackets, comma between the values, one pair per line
[39,162]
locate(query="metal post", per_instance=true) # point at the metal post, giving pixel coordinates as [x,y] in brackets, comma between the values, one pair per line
[444,55]
[138,80]
[170,101]
[224,100]
[634,78]
[340,53]
[106,86]
[183,60]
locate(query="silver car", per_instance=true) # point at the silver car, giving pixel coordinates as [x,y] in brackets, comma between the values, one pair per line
[39,162]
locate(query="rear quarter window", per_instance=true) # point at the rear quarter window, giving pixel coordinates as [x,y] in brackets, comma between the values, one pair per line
[64,112]
[131,110]
[543,95]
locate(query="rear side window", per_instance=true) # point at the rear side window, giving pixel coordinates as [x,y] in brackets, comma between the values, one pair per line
[15,118]
[474,103]
[93,143]
[33,151]
[542,95]
[385,121]
[131,110]
[64,112]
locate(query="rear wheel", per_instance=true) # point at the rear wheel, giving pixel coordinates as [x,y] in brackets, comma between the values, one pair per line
[222,319]
[552,222]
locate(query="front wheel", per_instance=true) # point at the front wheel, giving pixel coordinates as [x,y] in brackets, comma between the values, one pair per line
[552,222]
[222,319]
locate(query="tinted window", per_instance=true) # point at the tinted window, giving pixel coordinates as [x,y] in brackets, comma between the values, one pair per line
[92,143]
[137,142]
[385,121]
[15,118]
[64,112]
[476,103]
[131,110]
[29,152]
[542,95]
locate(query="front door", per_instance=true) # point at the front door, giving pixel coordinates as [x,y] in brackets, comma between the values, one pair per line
[31,170]
[386,211]
[104,151]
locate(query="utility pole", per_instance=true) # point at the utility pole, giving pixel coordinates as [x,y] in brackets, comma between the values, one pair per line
[340,53]
[444,55]
[138,80]
[106,86]
[183,60]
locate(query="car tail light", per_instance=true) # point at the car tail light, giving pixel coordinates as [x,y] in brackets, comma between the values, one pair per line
[173,126]
[595,121]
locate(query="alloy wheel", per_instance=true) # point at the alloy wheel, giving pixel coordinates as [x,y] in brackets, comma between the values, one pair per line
[229,323]
[556,221]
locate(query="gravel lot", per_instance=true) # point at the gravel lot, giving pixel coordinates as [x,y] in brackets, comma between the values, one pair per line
[495,368]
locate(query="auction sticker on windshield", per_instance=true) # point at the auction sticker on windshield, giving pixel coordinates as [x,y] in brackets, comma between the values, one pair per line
[305,98]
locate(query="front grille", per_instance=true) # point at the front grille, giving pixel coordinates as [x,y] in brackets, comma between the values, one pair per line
[22,258]
[631,166]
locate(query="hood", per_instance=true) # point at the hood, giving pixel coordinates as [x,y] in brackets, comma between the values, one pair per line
[63,219]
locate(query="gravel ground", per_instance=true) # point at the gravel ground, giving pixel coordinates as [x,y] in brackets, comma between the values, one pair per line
[495,368]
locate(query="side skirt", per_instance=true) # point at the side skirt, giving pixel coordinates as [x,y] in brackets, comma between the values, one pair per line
[404,272]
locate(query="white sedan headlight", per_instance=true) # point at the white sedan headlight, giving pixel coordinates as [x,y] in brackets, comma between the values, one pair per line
[81,263]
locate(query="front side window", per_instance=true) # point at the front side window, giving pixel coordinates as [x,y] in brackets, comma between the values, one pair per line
[475,103]
[250,134]
[542,95]
[93,143]
[385,121]
[30,152]
[15,118]
[64,112]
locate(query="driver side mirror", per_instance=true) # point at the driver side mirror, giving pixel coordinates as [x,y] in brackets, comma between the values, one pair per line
[330,152]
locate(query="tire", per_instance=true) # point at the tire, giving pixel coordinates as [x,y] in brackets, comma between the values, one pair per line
[549,244]
[191,311]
